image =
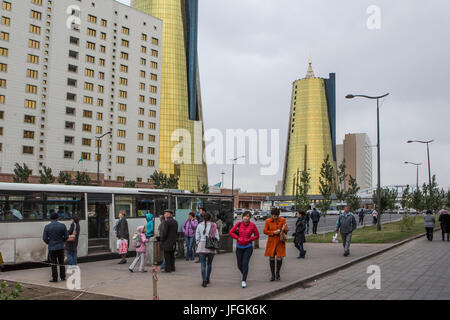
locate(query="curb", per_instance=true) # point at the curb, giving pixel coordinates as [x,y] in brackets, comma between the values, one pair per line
[303,281]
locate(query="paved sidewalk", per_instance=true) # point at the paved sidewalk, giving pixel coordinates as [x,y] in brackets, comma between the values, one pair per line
[418,270]
[112,279]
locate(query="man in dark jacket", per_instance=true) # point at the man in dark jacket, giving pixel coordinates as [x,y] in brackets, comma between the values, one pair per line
[169,240]
[55,234]
[444,219]
[315,217]
[346,224]
[122,233]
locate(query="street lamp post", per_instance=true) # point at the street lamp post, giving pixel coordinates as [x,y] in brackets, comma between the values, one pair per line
[417,177]
[428,154]
[351,96]
[232,176]
[98,155]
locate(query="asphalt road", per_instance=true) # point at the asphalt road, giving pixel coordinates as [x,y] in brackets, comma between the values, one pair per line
[325,224]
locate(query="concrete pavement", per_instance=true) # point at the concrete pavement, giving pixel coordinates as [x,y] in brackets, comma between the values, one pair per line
[111,279]
[418,270]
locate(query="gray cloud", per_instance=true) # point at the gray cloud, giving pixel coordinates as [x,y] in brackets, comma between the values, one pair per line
[252,50]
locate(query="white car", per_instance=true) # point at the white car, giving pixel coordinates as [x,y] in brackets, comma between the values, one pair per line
[333,212]
[288,214]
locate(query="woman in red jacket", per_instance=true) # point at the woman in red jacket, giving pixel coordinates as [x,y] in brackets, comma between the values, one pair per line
[245,232]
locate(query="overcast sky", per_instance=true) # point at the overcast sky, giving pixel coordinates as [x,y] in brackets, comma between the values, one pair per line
[251,51]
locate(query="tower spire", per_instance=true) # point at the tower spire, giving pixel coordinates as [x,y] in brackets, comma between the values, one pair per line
[310,72]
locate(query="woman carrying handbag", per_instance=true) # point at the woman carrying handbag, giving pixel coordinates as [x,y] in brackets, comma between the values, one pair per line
[204,235]
[72,241]
[276,228]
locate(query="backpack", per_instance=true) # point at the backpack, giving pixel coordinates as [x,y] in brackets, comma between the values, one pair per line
[137,241]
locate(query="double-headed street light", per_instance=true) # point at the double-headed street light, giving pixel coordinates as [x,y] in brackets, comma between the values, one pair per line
[351,96]
[428,154]
[417,166]
[232,176]
[98,155]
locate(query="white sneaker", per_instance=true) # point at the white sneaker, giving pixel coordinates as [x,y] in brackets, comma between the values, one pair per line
[243,284]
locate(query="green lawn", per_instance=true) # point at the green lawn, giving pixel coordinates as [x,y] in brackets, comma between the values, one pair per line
[391,233]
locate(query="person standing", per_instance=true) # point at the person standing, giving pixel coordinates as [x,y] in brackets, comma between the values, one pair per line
[201,211]
[299,234]
[361,216]
[141,247]
[149,234]
[275,246]
[346,224]
[72,241]
[245,232]
[315,218]
[169,240]
[430,221]
[375,217]
[307,218]
[123,235]
[55,234]
[188,228]
[206,256]
[444,219]
[158,238]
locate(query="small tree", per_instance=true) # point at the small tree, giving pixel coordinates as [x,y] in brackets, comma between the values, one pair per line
[447,201]
[172,182]
[417,200]
[130,184]
[302,200]
[352,198]
[65,178]
[326,184]
[388,199]
[21,173]
[433,198]
[341,194]
[161,180]
[157,179]
[406,198]
[205,188]
[47,176]
[82,179]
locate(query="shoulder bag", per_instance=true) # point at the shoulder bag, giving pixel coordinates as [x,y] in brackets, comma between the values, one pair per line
[211,242]
[73,236]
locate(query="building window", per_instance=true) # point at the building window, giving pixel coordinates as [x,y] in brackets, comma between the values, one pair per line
[69,140]
[121,146]
[4,36]
[28,150]
[144,37]
[88,100]
[124,81]
[143,49]
[31,89]
[152,113]
[151,150]
[121,133]
[87,127]
[71,82]
[68,154]
[2,83]
[86,142]
[2,99]
[154,65]
[140,161]
[35,15]
[124,55]
[29,119]
[3,67]
[141,111]
[155,41]
[154,53]
[153,89]
[140,136]
[90,45]
[35,29]
[91,32]
[32,58]
[120,160]
[140,149]
[89,73]
[125,30]
[153,101]
[104,23]
[153,77]
[85,156]
[30,104]
[72,68]
[70,125]
[90,59]
[101,75]
[124,68]
[151,163]
[122,107]
[99,116]
[101,89]
[73,54]
[122,120]
[74,40]
[87,114]
[140,123]
[92,19]
[98,130]
[28,134]
[120,178]
[152,125]
[89,86]
[123,94]
[6,5]
[151,138]
[125,43]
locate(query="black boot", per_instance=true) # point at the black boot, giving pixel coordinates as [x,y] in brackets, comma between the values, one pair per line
[279,262]
[272,269]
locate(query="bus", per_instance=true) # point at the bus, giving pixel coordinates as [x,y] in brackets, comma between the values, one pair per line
[25,209]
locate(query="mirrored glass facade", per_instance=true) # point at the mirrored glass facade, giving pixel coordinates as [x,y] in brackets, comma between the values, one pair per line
[181,106]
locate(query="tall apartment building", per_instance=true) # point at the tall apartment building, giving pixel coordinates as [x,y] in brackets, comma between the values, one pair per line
[71,71]
[357,152]
[181,142]
[311,131]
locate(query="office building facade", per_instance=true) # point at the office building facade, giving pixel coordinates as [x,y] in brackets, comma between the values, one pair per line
[312,130]
[181,137]
[71,71]
[358,154]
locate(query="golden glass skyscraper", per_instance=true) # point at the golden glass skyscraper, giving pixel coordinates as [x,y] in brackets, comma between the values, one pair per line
[181,107]
[312,130]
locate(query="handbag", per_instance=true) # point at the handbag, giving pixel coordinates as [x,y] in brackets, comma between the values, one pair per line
[73,236]
[237,229]
[283,236]
[211,242]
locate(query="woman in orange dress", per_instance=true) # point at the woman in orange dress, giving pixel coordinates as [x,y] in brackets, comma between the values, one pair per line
[275,247]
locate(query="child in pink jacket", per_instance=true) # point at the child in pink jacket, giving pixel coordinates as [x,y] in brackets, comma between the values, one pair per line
[140,250]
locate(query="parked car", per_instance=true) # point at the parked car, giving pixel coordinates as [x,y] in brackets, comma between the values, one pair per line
[288,214]
[332,212]
[262,215]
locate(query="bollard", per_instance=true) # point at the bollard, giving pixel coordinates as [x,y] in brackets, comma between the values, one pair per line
[155,282]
